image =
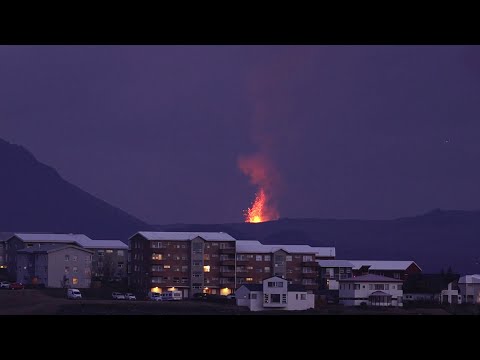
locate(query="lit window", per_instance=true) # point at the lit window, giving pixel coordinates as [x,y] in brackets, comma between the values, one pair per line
[109,251]
[166,266]
[156,256]
[249,279]
[288,258]
[120,252]
[75,281]
[75,269]
[258,257]
[267,258]
[206,268]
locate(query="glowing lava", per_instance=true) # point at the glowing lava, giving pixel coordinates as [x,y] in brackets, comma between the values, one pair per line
[255,214]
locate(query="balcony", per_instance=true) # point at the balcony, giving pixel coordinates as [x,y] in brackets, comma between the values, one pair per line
[227,251]
[310,263]
[229,262]
[242,262]
[227,273]
[309,275]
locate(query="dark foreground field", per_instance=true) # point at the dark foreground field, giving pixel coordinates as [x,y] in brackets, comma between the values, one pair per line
[51,302]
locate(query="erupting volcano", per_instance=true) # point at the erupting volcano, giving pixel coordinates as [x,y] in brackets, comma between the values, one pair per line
[261,173]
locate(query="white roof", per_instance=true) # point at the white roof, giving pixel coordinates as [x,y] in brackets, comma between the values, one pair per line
[335,263]
[255,247]
[104,244]
[79,239]
[382,265]
[61,238]
[470,279]
[185,236]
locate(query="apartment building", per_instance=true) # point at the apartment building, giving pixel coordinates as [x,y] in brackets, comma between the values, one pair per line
[192,262]
[57,266]
[295,263]
[109,257]
[4,236]
[469,286]
[331,271]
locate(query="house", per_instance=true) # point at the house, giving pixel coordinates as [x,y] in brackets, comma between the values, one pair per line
[469,286]
[331,271]
[296,263]
[192,262]
[275,293]
[451,295]
[390,268]
[56,266]
[426,288]
[4,236]
[113,250]
[371,289]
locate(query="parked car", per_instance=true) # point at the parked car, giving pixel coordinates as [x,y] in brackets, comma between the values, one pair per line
[231,296]
[74,294]
[200,296]
[4,285]
[118,296]
[16,286]
[130,296]
[154,296]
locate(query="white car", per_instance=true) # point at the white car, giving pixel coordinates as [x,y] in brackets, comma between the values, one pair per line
[155,296]
[4,285]
[118,296]
[74,294]
[130,296]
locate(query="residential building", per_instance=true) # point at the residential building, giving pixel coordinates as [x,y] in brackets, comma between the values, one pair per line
[390,268]
[469,286]
[275,293]
[109,256]
[296,263]
[426,288]
[4,236]
[192,262]
[331,271]
[55,266]
[372,290]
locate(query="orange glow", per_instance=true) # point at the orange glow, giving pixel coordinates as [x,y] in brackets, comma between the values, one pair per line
[259,211]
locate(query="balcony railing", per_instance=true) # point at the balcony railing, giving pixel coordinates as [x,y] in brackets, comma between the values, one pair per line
[310,263]
[227,251]
[309,275]
[228,262]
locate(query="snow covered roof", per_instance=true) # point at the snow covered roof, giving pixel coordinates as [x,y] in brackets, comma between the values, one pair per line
[470,279]
[335,263]
[185,236]
[79,239]
[45,237]
[104,244]
[370,278]
[255,247]
[382,265]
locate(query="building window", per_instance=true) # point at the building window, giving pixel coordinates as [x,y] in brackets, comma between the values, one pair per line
[342,270]
[303,296]
[74,257]
[249,267]
[249,256]
[393,287]
[197,248]
[267,258]
[120,253]
[197,263]
[265,298]
[206,256]
[87,271]
[307,258]
[280,284]
[267,269]
[67,269]
[75,269]
[67,257]
[75,281]
[206,268]
[184,258]
[183,246]
[109,251]
[379,287]
[184,280]
[370,286]
[253,296]
[166,266]
[249,279]
[157,256]
[184,268]
[399,287]
[396,275]
[284,298]
[288,258]
[275,298]
[88,258]
[197,274]
[386,286]
[258,257]
[157,268]
[100,252]
[120,265]
[271,284]
[258,270]
[357,287]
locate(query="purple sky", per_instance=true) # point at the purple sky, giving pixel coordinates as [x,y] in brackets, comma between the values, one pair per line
[352,131]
